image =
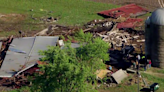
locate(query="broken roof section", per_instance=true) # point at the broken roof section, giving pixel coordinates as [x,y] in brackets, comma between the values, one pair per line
[129,23]
[15,60]
[124,11]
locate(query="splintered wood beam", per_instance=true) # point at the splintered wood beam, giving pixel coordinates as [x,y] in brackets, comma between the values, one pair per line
[161,3]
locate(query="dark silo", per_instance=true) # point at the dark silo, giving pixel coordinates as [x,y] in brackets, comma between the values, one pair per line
[147,38]
[155,38]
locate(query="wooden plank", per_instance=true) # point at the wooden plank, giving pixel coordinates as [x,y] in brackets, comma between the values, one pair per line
[102,73]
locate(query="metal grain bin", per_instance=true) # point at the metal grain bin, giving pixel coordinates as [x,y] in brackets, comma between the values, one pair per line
[147,38]
[155,39]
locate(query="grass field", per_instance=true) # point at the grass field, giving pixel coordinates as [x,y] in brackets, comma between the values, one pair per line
[71,12]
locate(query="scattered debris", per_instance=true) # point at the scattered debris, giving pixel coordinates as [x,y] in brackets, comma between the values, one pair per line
[57,30]
[60,43]
[46,31]
[143,40]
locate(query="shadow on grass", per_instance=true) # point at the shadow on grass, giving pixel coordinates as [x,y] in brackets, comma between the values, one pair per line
[145,90]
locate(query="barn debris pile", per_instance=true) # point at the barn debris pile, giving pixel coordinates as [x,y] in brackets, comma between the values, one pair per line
[57,30]
[120,37]
[20,57]
[118,30]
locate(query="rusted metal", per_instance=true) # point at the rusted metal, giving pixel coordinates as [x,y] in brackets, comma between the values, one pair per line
[131,10]
[129,23]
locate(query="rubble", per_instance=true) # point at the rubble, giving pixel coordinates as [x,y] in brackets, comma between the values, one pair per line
[45,19]
[98,26]
[119,31]
[117,37]
[98,23]
[57,30]
[47,31]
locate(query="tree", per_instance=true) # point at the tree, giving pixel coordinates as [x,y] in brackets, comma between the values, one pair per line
[68,69]
[92,51]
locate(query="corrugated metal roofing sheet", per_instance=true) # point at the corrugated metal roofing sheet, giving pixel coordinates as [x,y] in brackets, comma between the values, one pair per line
[129,23]
[14,62]
[124,11]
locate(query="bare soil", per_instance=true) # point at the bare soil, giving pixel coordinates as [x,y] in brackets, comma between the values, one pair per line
[10,24]
[148,4]
[12,17]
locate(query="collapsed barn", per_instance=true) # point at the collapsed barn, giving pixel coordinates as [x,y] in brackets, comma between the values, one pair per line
[22,53]
[20,57]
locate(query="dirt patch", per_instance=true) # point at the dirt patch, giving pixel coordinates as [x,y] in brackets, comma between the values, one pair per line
[149,4]
[12,17]
[10,24]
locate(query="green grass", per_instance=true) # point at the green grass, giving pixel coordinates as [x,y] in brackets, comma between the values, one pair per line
[8,33]
[121,87]
[156,70]
[154,79]
[72,12]
[144,17]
